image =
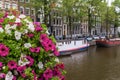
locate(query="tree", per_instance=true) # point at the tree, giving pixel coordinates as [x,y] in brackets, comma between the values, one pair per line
[94,9]
[117,14]
[46,6]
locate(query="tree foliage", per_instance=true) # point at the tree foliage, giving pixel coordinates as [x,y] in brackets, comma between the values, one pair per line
[82,9]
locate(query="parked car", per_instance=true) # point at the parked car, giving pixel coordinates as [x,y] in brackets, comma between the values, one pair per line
[102,36]
[96,37]
[89,38]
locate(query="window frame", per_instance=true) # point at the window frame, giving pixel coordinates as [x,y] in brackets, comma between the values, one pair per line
[27,1]
[21,7]
[28,9]
[21,0]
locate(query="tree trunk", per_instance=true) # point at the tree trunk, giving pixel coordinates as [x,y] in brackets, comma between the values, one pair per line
[89,21]
[70,26]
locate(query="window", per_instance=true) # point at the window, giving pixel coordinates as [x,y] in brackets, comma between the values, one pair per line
[53,21]
[21,10]
[1,3]
[27,1]
[32,12]
[21,0]
[27,11]
[14,6]
[60,22]
[13,0]
[57,22]
[57,32]
[7,5]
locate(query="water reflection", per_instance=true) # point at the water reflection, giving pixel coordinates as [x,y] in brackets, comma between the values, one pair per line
[93,64]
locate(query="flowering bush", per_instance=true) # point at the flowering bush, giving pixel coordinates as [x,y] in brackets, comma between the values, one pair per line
[26,50]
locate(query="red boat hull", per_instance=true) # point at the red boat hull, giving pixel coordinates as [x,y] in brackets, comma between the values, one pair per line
[107,43]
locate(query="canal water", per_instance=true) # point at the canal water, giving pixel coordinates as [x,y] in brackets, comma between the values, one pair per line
[93,64]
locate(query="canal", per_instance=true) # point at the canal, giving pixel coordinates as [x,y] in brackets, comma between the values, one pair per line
[93,64]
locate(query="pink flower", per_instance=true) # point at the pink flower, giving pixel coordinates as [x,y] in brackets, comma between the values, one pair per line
[2,75]
[23,75]
[41,77]
[38,29]
[0,26]
[21,69]
[35,77]
[6,14]
[1,64]
[19,24]
[14,78]
[4,51]
[48,74]
[44,44]
[1,20]
[37,49]
[31,60]
[46,49]
[12,65]
[51,46]
[43,37]
[37,23]
[61,66]
[62,77]
[56,52]
[30,35]
[56,72]
[32,50]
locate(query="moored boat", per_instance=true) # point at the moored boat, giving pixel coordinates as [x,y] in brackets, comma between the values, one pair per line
[67,47]
[108,43]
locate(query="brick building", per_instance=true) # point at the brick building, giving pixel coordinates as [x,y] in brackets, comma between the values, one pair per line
[25,7]
[8,4]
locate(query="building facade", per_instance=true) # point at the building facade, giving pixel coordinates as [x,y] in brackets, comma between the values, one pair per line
[56,23]
[84,27]
[8,4]
[25,7]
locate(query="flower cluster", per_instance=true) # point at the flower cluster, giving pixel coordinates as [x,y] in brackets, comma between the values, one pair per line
[27,52]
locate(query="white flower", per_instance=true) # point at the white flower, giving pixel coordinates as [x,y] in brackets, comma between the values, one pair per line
[17,35]
[9,76]
[47,32]
[31,27]
[26,20]
[1,29]
[11,17]
[27,45]
[40,65]
[22,16]
[3,67]
[8,31]
[17,20]
[25,31]
[14,26]
[57,60]
[7,27]
[23,61]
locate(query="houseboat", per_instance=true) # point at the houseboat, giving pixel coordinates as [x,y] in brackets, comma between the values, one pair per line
[67,47]
[108,43]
